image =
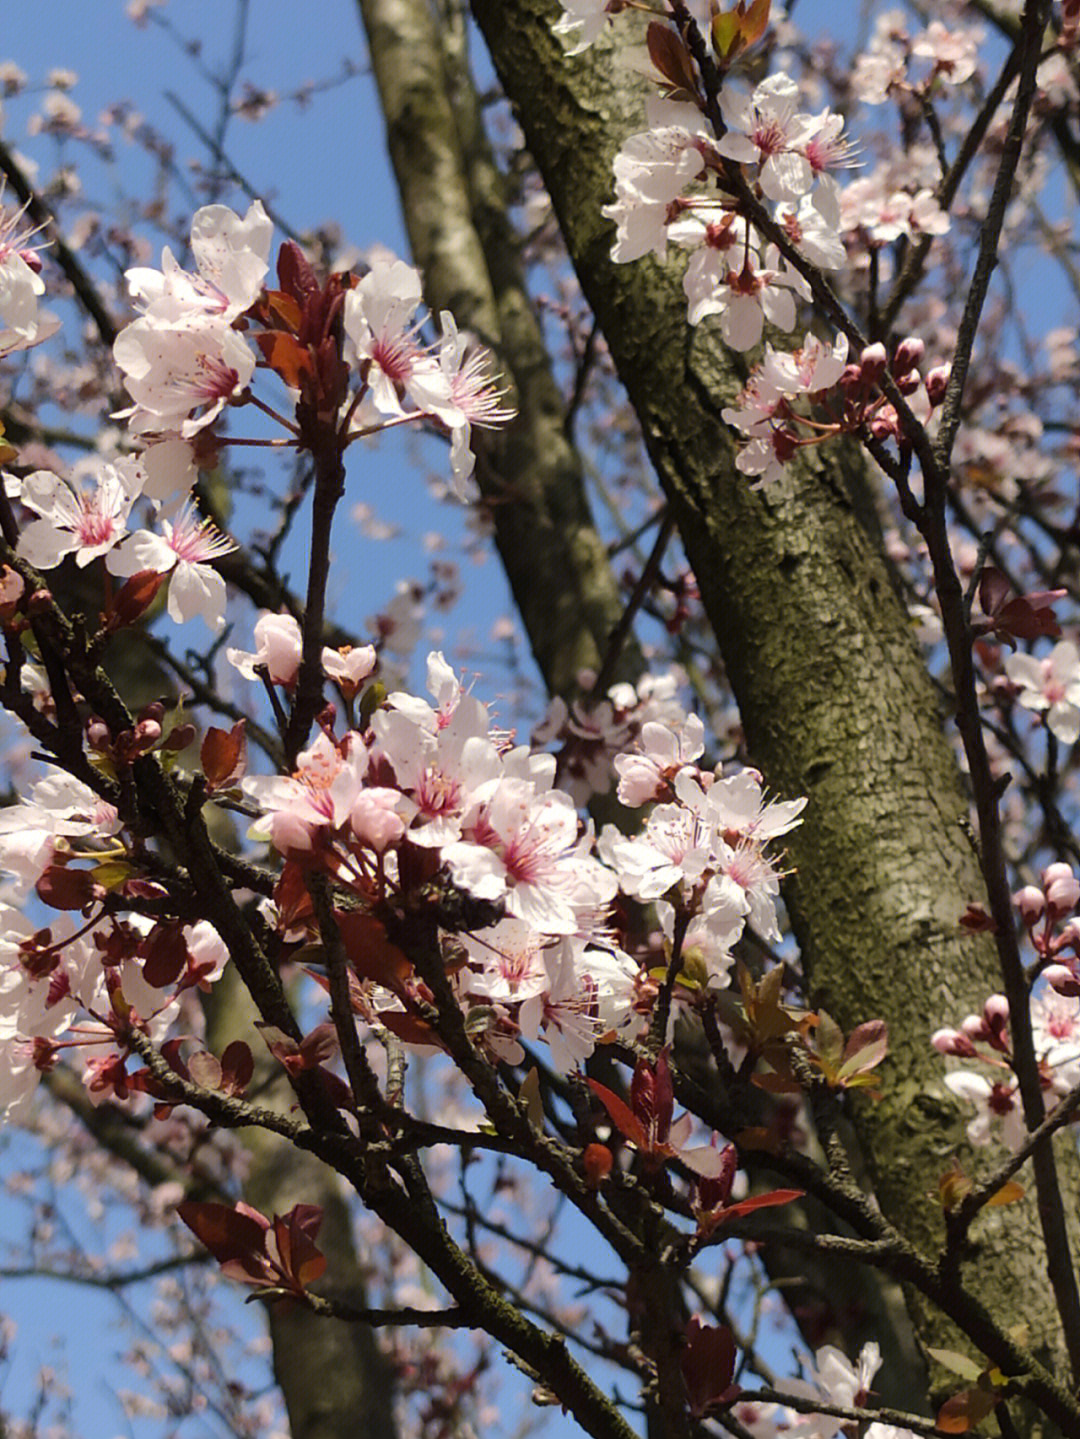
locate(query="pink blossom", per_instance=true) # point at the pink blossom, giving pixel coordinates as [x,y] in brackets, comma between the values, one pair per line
[1051,687]
[84,522]
[182,551]
[174,369]
[278,648]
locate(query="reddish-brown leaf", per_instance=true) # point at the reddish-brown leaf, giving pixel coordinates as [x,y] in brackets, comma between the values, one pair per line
[620,1114]
[166,954]
[708,1364]
[224,755]
[286,356]
[62,888]
[371,954]
[133,599]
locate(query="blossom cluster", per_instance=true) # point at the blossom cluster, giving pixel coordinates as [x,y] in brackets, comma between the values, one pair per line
[430,796]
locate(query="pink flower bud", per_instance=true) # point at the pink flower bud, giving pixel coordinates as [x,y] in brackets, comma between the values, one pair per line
[98,736]
[908,354]
[909,383]
[1062,890]
[937,382]
[374,819]
[951,1041]
[974,1027]
[1061,978]
[1030,902]
[872,362]
[996,1012]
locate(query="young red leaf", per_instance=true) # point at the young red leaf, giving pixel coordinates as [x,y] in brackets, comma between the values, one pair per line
[237,1067]
[69,889]
[623,1118]
[228,1233]
[166,954]
[707,1363]
[223,756]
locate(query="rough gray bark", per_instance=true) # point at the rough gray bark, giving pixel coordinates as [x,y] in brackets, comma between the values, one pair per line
[834,696]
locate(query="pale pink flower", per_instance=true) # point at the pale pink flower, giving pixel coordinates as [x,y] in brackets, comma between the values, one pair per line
[1051,687]
[174,369]
[459,393]
[22,324]
[834,1379]
[316,801]
[85,522]
[380,331]
[232,256]
[652,169]
[767,128]
[182,551]
[279,647]
[583,21]
[954,51]
[996,1101]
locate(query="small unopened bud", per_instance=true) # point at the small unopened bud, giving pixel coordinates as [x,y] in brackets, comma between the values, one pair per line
[908,354]
[974,1027]
[851,380]
[951,1041]
[1062,979]
[98,736]
[39,602]
[937,382]
[1062,890]
[1030,902]
[872,361]
[996,1012]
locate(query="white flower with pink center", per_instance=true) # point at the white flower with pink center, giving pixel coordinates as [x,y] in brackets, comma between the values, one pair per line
[439,769]
[523,847]
[380,332]
[174,369]
[85,522]
[507,962]
[459,392]
[1055,1024]
[767,128]
[672,850]
[834,1379]
[22,324]
[652,169]
[183,551]
[744,295]
[1051,687]
[664,751]
[232,256]
[308,807]
[998,1110]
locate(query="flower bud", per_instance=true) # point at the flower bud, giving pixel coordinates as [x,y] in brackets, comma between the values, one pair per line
[996,1012]
[1062,979]
[872,362]
[1030,902]
[937,382]
[1062,890]
[974,1027]
[951,1041]
[907,355]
